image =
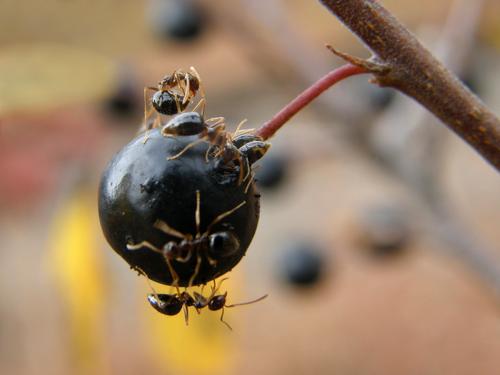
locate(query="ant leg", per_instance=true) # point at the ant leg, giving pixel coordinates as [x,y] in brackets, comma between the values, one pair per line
[217,287]
[200,104]
[173,273]
[239,126]
[153,126]
[146,244]
[197,268]
[153,289]
[243,164]
[185,259]
[214,288]
[207,153]
[156,122]
[248,183]
[218,120]
[192,144]
[249,170]
[222,216]
[149,283]
[186,314]
[140,245]
[186,88]
[164,227]
[147,111]
[223,321]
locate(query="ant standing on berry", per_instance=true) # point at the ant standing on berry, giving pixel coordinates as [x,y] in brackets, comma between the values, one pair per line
[233,150]
[212,245]
[172,95]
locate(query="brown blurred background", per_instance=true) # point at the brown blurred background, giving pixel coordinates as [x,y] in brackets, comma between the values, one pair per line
[379,239]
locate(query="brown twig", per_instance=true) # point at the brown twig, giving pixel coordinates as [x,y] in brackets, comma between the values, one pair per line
[268,129]
[414,71]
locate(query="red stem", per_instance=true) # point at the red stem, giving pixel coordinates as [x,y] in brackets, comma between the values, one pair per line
[268,129]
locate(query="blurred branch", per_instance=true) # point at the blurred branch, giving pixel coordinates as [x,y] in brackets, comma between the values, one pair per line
[413,151]
[414,71]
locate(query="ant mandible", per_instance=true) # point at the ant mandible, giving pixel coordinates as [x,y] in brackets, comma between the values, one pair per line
[218,244]
[173,94]
[171,304]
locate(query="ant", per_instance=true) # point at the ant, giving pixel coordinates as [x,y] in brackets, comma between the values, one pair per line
[173,94]
[219,244]
[172,304]
[230,147]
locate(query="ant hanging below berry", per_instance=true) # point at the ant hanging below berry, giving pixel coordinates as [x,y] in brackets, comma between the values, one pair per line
[172,304]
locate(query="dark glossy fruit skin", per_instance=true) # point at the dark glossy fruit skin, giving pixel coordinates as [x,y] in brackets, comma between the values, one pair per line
[140,186]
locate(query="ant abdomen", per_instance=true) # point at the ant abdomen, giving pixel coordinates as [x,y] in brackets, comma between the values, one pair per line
[185,124]
[217,302]
[167,304]
[167,103]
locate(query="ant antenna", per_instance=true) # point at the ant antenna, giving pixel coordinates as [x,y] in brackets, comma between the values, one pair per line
[222,216]
[249,302]
[216,288]
[201,103]
[239,126]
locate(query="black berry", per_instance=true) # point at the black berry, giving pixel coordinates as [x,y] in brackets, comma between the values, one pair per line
[176,19]
[302,264]
[147,202]
[272,171]
[384,230]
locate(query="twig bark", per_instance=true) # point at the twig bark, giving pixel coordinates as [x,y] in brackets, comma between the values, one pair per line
[413,70]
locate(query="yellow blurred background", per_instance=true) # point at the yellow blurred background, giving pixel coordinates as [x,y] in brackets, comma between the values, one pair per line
[393,218]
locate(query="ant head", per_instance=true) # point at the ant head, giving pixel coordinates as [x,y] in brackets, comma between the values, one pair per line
[254,150]
[217,302]
[222,244]
[245,138]
[168,304]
